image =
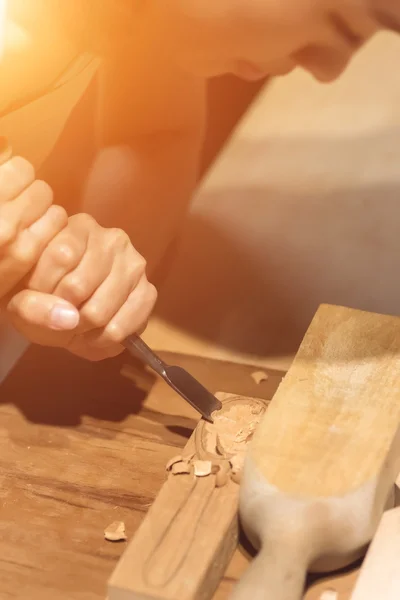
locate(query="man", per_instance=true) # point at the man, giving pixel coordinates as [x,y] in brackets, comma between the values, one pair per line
[77,284]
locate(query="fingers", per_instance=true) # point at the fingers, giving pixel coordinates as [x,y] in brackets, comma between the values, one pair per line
[82,282]
[61,256]
[23,253]
[80,348]
[23,211]
[99,272]
[131,318]
[126,273]
[16,174]
[42,318]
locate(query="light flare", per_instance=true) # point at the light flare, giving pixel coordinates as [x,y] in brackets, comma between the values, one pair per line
[3,10]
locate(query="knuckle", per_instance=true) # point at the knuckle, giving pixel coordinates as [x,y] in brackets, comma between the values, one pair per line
[8,232]
[16,172]
[83,220]
[21,168]
[152,294]
[75,288]
[25,252]
[118,237]
[27,305]
[139,266]
[43,192]
[95,315]
[21,304]
[59,215]
[113,334]
[63,254]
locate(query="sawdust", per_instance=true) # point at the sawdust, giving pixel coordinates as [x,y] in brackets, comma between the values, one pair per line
[115,532]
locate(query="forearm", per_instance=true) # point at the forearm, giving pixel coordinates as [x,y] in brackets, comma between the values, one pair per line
[145,188]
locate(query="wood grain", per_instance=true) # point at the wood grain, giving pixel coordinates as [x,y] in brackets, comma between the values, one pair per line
[324,460]
[345,379]
[380,576]
[184,544]
[81,447]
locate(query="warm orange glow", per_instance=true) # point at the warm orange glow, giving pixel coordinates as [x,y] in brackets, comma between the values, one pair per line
[2,26]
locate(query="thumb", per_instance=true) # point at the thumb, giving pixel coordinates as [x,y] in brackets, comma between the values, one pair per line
[43,310]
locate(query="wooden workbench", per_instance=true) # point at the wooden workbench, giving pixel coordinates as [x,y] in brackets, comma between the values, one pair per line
[80,447]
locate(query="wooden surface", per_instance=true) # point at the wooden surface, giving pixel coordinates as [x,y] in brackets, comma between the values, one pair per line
[187,538]
[341,398]
[380,574]
[79,449]
[324,460]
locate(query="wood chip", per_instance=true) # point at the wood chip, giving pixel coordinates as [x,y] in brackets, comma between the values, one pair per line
[329,595]
[181,468]
[259,376]
[115,532]
[172,461]
[202,468]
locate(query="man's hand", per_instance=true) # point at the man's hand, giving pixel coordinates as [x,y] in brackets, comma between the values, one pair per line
[95,270]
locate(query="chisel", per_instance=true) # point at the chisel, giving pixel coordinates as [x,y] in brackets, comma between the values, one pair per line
[176,377]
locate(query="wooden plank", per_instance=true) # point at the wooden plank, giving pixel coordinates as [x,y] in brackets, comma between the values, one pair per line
[183,546]
[380,574]
[324,460]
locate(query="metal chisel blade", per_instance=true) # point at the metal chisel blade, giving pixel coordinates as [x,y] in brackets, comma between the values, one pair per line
[192,391]
[177,378]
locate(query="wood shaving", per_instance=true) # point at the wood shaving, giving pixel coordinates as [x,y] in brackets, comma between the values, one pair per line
[259,376]
[172,461]
[329,595]
[233,428]
[222,476]
[181,468]
[115,532]
[202,468]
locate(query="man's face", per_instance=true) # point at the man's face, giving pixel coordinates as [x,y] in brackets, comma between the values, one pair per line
[253,38]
